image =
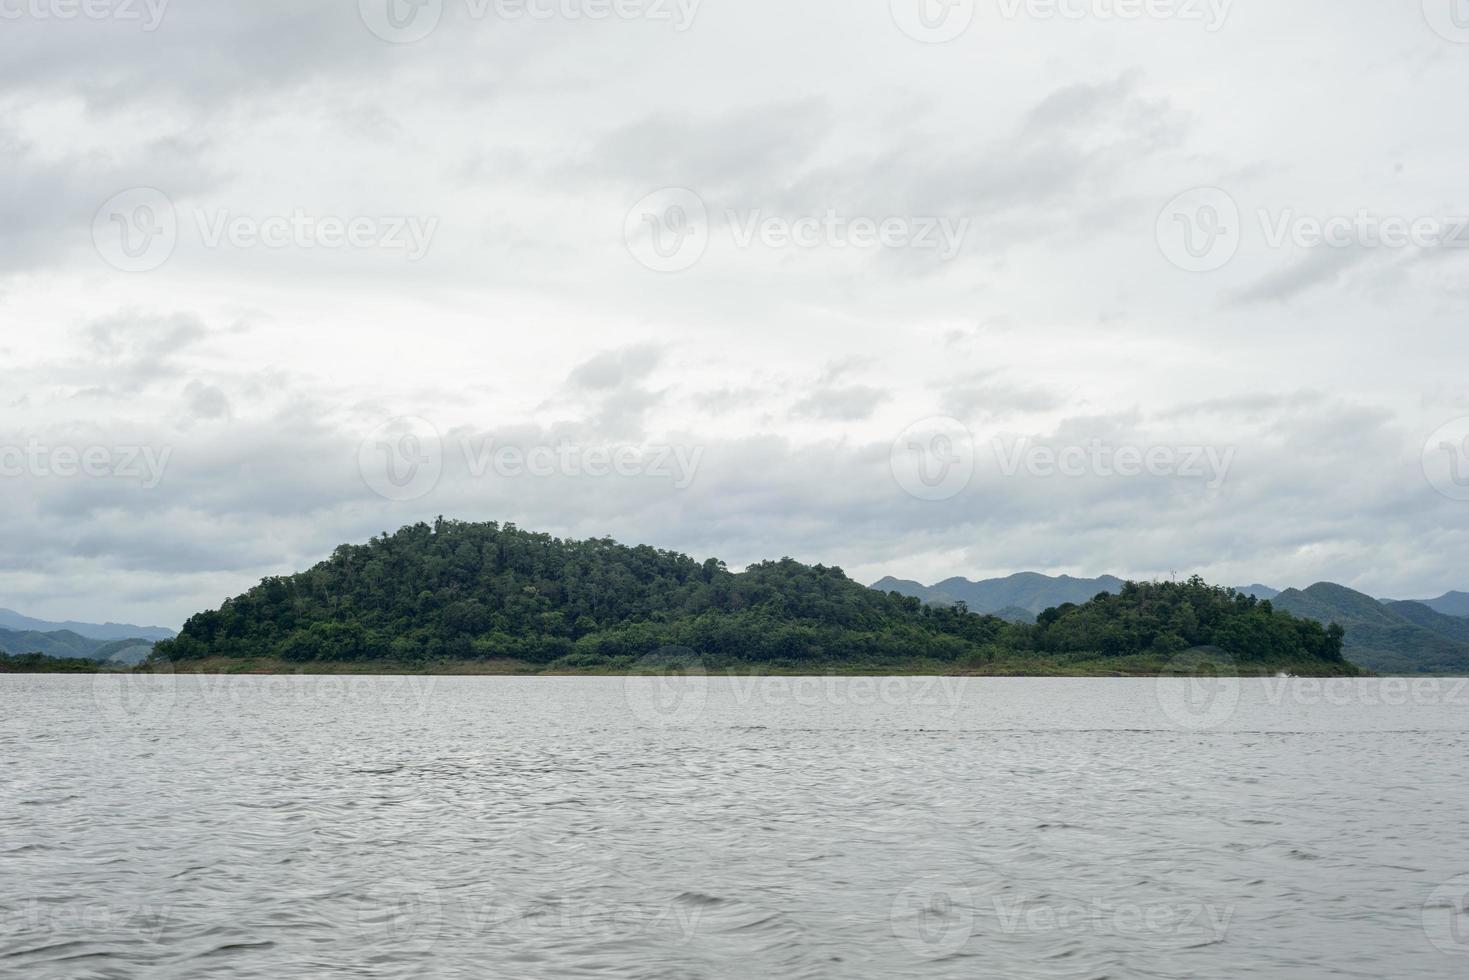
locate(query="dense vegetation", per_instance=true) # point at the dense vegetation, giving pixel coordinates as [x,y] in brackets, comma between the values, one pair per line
[481,592]
[1171,617]
[65,643]
[1019,597]
[39,663]
[1388,637]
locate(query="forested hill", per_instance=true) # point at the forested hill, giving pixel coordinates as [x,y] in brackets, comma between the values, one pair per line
[461,592]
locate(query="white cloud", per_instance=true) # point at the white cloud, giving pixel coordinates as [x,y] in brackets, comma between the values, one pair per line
[260,367]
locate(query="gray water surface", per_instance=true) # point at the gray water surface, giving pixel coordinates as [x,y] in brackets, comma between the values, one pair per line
[186,827]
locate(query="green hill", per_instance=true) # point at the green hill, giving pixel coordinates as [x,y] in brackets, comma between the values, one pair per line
[39,663]
[1453,627]
[459,593]
[1014,614]
[66,644]
[1391,637]
[1449,604]
[1031,592]
[12,620]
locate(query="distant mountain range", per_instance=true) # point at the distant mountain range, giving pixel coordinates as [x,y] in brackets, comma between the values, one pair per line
[1450,604]
[1021,597]
[1387,636]
[1018,597]
[71,645]
[12,620]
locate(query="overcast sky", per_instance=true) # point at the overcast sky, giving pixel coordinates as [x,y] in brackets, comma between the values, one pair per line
[922,290]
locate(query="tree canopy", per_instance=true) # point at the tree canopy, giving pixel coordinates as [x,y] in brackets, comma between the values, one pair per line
[486,591]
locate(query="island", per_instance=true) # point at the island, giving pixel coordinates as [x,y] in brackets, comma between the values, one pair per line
[487,598]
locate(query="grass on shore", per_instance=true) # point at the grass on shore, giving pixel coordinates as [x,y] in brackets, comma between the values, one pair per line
[1075,665]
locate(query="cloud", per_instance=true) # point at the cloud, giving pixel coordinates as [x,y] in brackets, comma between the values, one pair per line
[742,157]
[791,371]
[1321,266]
[614,369]
[205,402]
[994,400]
[851,403]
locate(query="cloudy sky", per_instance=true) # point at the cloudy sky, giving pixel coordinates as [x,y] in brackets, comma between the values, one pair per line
[912,287]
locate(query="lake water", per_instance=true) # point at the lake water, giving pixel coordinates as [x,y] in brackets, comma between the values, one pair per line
[187,827]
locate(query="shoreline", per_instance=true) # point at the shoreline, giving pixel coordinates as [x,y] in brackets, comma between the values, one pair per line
[1091,668]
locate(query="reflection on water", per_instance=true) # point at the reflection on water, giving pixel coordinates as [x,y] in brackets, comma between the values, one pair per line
[185,827]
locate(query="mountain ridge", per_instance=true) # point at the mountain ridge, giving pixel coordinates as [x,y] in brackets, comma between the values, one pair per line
[1385,636]
[12,620]
[66,644]
[428,596]
[1032,592]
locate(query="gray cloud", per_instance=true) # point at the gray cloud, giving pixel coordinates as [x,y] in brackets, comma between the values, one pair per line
[993,400]
[614,369]
[1321,266]
[792,371]
[850,403]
